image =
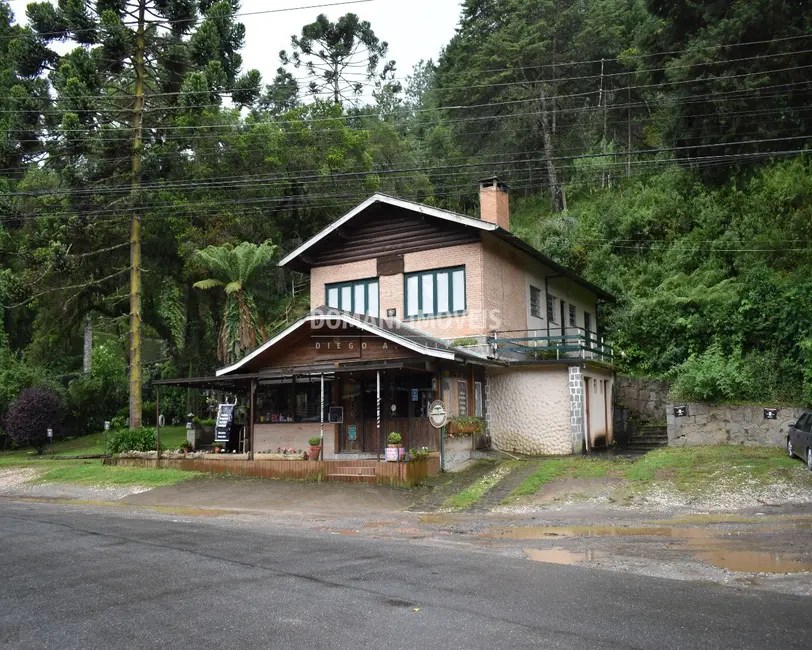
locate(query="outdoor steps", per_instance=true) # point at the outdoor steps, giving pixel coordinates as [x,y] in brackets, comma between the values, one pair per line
[648,437]
[360,473]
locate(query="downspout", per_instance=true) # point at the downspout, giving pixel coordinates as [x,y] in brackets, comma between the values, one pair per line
[378,425]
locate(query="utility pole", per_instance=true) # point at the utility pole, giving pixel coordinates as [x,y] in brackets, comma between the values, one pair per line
[135,226]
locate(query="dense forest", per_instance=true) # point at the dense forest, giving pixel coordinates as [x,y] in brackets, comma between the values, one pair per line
[658,148]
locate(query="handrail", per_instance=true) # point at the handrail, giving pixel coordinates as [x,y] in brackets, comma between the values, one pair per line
[568,342]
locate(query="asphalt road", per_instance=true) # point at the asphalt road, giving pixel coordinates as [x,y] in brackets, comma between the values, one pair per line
[73,577]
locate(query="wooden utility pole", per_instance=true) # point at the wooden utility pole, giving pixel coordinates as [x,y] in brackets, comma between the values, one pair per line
[135,225]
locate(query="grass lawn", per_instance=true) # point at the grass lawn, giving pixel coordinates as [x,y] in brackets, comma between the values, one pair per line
[171,438]
[474,492]
[685,469]
[95,474]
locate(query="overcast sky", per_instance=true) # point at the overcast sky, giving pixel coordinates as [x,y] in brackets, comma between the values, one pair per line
[414,29]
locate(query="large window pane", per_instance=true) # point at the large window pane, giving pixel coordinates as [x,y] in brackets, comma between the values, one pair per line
[372,307]
[412,307]
[360,306]
[346,298]
[459,290]
[332,297]
[427,299]
[443,286]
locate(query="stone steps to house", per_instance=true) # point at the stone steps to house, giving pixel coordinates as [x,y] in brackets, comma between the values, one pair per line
[498,493]
[352,478]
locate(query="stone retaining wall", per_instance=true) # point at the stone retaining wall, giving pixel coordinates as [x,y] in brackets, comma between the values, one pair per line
[714,424]
[645,399]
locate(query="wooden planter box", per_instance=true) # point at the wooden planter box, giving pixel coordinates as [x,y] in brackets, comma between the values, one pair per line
[224,456]
[460,429]
[275,456]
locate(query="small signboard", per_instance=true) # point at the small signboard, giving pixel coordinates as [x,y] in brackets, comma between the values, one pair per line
[335,415]
[222,428]
[50,433]
[414,394]
[770,413]
[438,416]
[107,425]
[352,433]
[462,398]
[680,411]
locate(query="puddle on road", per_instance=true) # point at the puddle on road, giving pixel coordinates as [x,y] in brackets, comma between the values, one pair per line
[753,561]
[437,519]
[551,532]
[562,555]
[717,548]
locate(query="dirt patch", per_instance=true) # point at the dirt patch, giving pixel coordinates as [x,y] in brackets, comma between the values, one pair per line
[574,489]
[18,482]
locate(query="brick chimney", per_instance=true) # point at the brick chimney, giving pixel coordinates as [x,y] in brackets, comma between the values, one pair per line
[494,204]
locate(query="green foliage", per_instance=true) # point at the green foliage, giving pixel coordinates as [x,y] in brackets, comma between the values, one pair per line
[17,375]
[141,439]
[463,342]
[710,376]
[314,441]
[93,399]
[394,438]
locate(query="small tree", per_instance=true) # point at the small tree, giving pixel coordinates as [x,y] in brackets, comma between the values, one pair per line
[31,415]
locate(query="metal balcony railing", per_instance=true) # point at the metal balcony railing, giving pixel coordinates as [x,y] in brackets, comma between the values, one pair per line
[558,343]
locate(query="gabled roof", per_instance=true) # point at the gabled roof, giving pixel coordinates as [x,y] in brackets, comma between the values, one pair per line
[461,219]
[390,329]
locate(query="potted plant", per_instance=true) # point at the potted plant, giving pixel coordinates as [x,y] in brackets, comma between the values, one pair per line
[315,448]
[394,449]
[218,447]
[464,425]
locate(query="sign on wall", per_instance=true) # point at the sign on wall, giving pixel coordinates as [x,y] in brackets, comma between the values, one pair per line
[352,433]
[770,414]
[478,399]
[438,415]
[337,347]
[336,414]
[222,428]
[680,411]
[462,398]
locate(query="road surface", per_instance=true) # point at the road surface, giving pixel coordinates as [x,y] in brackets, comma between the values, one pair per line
[85,577]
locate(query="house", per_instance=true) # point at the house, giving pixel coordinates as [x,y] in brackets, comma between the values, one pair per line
[411,304]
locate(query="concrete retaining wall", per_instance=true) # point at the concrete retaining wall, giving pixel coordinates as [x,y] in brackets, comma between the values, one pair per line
[712,424]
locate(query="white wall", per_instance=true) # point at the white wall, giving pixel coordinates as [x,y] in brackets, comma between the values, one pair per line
[600,406]
[529,410]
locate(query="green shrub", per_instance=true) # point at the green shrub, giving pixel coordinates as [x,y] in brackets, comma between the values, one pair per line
[94,398]
[142,439]
[17,375]
[118,423]
[711,376]
[394,438]
[314,441]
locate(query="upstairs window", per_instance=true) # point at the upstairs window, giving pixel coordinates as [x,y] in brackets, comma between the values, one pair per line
[551,300]
[358,297]
[438,292]
[535,301]
[573,316]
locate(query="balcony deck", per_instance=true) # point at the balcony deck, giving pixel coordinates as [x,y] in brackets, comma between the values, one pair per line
[558,344]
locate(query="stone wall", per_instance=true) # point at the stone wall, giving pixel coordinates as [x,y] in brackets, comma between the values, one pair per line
[646,399]
[713,424]
[529,410]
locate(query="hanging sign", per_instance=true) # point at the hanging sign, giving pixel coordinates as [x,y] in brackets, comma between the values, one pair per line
[352,432]
[222,428]
[438,415]
[462,398]
[414,394]
[336,414]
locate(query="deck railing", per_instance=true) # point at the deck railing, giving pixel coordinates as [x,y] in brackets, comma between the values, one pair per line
[553,344]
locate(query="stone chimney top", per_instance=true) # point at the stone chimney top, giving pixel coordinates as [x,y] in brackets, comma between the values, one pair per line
[494,204]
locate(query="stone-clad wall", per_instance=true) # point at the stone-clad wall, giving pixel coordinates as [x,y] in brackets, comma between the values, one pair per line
[711,424]
[646,399]
[529,410]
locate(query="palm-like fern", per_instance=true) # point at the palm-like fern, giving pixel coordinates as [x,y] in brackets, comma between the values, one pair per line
[231,268]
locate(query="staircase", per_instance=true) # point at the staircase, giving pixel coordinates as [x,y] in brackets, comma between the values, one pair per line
[358,471]
[648,437]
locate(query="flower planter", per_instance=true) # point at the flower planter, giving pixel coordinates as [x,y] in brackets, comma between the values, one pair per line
[314,453]
[225,456]
[275,456]
[394,453]
[462,430]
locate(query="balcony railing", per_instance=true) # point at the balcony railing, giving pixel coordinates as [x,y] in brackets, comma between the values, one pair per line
[558,343]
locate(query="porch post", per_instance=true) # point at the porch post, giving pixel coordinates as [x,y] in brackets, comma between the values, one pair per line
[157,425]
[251,418]
[378,420]
[321,417]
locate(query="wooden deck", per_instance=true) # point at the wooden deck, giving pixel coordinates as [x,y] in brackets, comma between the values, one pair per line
[347,471]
